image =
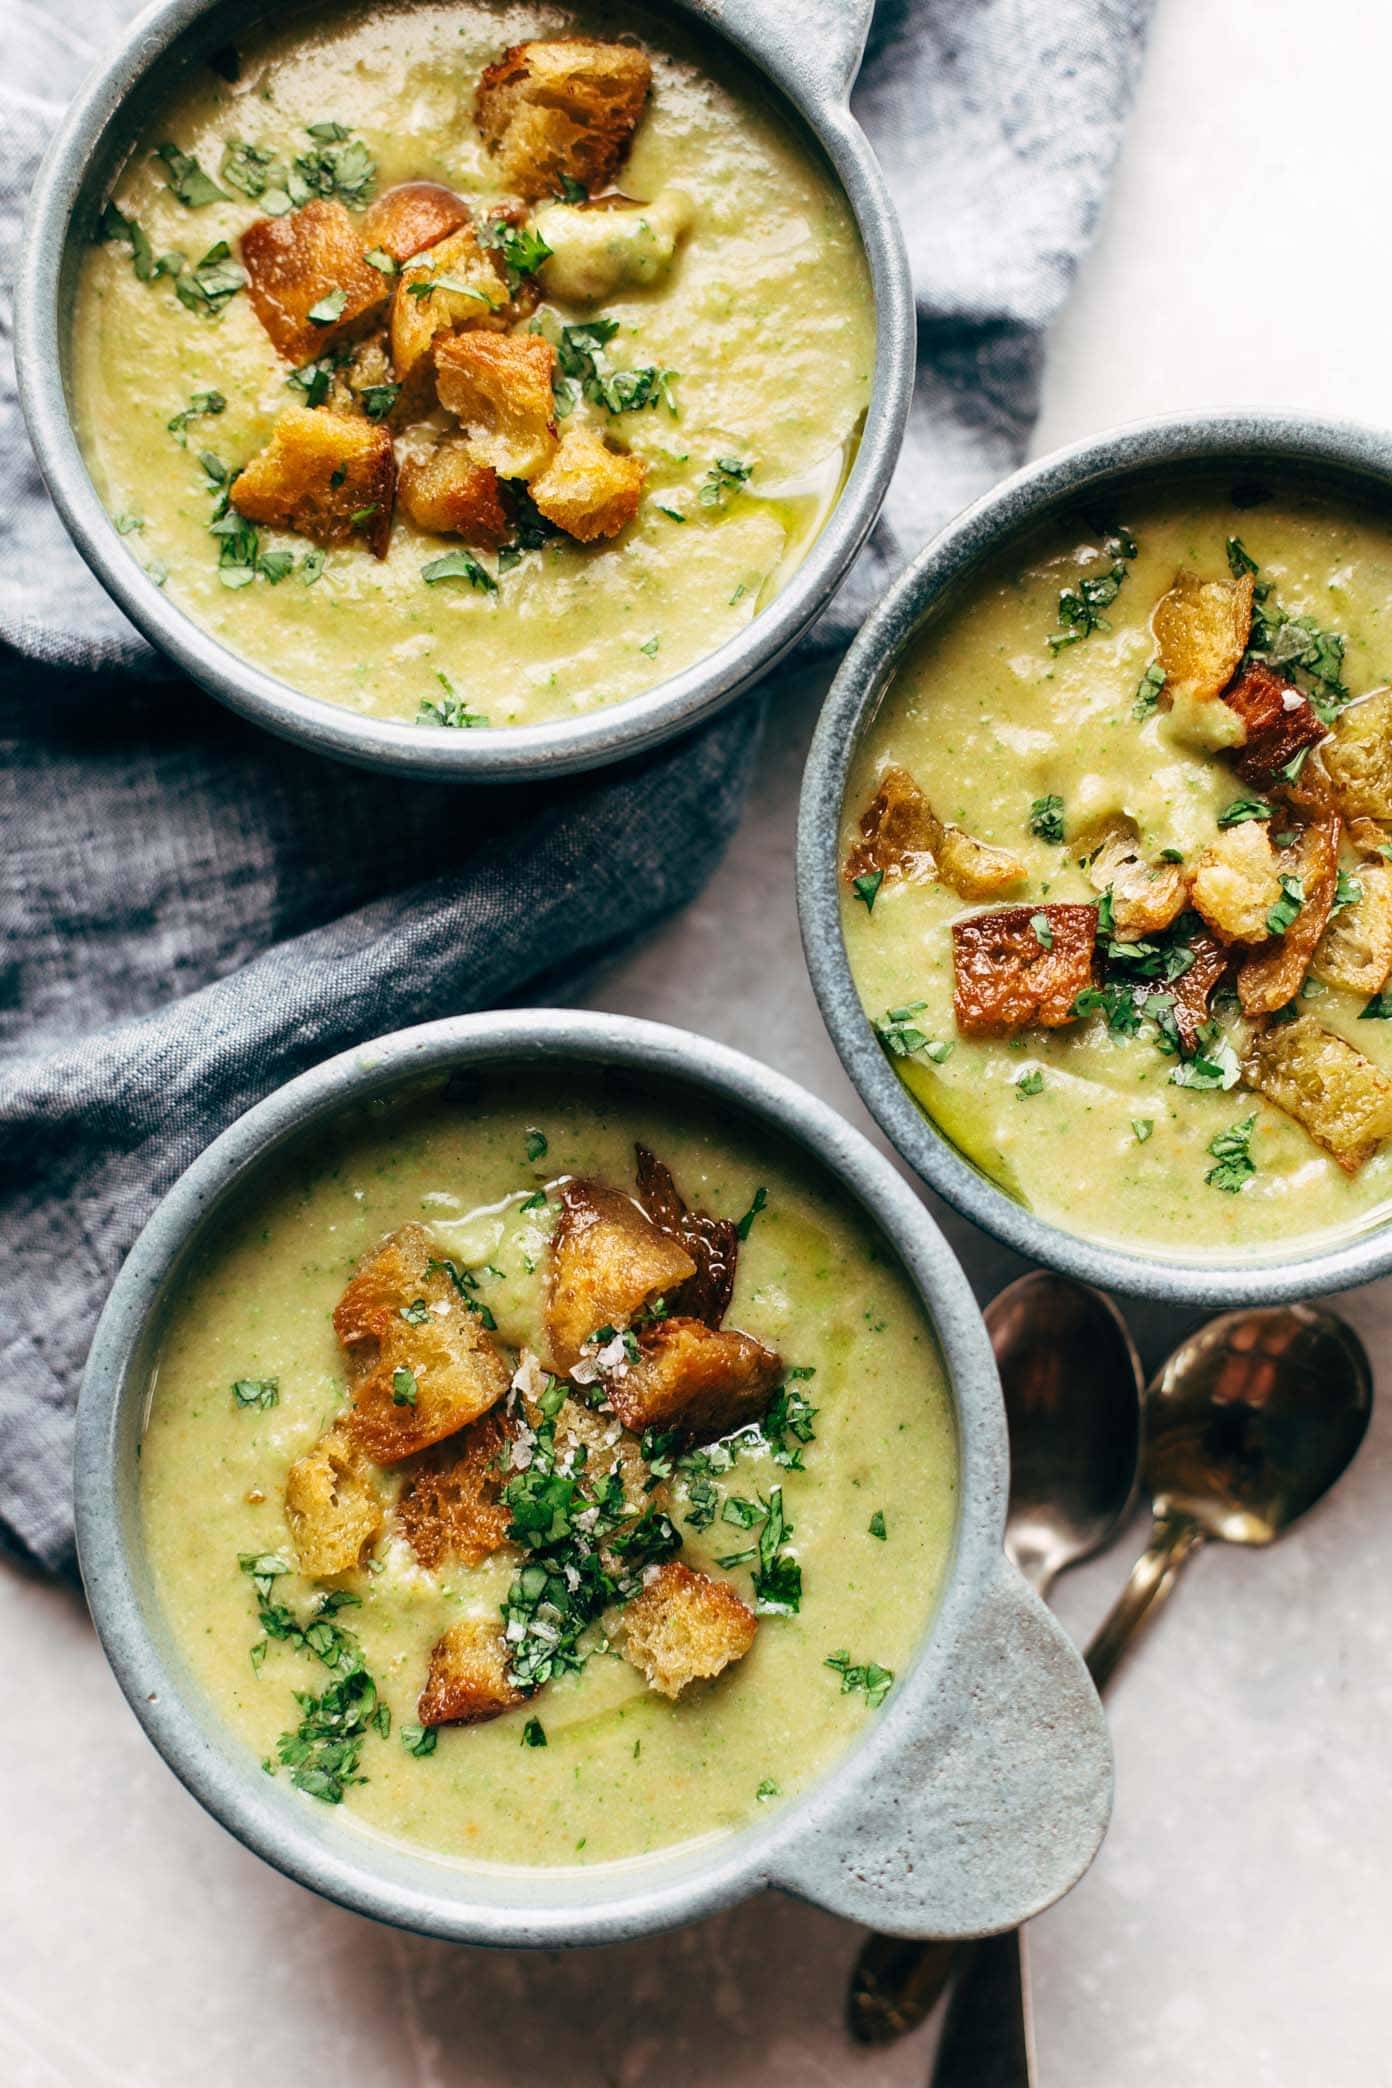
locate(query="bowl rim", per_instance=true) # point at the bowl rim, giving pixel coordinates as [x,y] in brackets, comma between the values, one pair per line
[1270,439]
[370,1873]
[96,118]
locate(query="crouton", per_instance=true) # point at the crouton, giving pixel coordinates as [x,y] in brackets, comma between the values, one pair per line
[1201,629]
[1355,951]
[712,1243]
[1021,966]
[412,216]
[1237,881]
[1272,976]
[330,477]
[446,492]
[1326,1084]
[562,111]
[499,388]
[331,1506]
[452,1507]
[467,1681]
[1358,758]
[691,1377]
[902,836]
[420,1363]
[1146,896]
[455,284]
[685,1627]
[606,1448]
[1194,989]
[311,261]
[600,249]
[1278,721]
[588,489]
[607,1260]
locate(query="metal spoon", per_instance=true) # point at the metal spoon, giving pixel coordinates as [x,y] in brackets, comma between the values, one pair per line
[1072,1386]
[1247,1425]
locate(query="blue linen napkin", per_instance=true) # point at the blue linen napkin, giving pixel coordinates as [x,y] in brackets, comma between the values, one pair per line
[192,913]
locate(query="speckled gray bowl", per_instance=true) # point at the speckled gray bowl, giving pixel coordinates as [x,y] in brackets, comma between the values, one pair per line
[976,1796]
[808,51]
[1332,455]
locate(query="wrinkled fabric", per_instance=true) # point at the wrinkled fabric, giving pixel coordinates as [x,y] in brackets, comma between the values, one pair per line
[193,913]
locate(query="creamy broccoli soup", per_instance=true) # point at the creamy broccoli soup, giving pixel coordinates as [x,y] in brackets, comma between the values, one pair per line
[547,1475]
[472,365]
[1117,857]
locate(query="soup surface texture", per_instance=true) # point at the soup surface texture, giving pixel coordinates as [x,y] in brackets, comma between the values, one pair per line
[714,336]
[824,1523]
[1209,1067]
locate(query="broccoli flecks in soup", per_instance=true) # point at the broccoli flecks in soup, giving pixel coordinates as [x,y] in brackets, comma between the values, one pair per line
[1117,857]
[472,366]
[547,1478]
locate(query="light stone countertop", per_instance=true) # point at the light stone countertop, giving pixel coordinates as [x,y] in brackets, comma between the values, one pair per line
[1235,1926]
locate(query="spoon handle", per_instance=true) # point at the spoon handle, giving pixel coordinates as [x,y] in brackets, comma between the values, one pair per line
[1152,1577]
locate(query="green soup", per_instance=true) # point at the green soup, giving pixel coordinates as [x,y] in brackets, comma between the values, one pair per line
[1029,745]
[867,1477]
[762,331]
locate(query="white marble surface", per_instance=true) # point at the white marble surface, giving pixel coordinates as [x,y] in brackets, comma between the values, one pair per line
[1236,1923]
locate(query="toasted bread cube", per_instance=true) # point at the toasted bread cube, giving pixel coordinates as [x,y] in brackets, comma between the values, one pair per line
[599,249]
[452,1507]
[902,836]
[1358,757]
[467,1681]
[499,388]
[974,869]
[587,489]
[1021,966]
[1279,721]
[1201,629]
[712,1243]
[1272,976]
[1237,881]
[690,1376]
[1146,896]
[1355,951]
[455,284]
[412,216]
[685,1628]
[295,262]
[413,1379]
[331,1506]
[446,492]
[1326,1084]
[331,477]
[1194,989]
[562,110]
[607,1260]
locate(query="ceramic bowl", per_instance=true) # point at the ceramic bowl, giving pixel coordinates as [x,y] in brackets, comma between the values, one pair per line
[976,1796]
[1325,455]
[806,50]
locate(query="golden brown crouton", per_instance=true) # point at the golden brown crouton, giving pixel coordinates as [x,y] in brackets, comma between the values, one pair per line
[1279,722]
[1358,757]
[587,489]
[455,284]
[1355,951]
[311,262]
[1272,976]
[902,836]
[712,1243]
[562,111]
[331,477]
[614,244]
[412,216]
[1201,629]
[1237,881]
[1146,896]
[446,492]
[684,1628]
[1194,989]
[1326,1084]
[607,1260]
[690,1376]
[331,1506]
[452,1507]
[499,388]
[468,1677]
[420,1364]
[1021,966]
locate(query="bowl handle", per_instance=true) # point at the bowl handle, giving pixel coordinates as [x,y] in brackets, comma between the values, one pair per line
[988,1816]
[821,41]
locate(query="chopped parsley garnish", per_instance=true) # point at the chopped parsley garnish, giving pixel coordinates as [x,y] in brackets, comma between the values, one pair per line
[1283,913]
[459,565]
[314,380]
[1240,559]
[1379,1008]
[778,1577]
[331,306]
[405,1390]
[210,283]
[570,190]
[787,1422]
[190,184]
[339,166]
[741,1512]
[726,476]
[1232,1151]
[744,1225]
[1242,809]
[115,225]
[1118,1004]
[1043,930]
[582,371]
[256,1392]
[1214,1063]
[1296,646]
[867,888]
[1046,817]
[416,1314]
[1143,1127]
[323,1751]
[422,287]
[535,1202]
[449,709]
[128,525]
[536,1144]
[1080,607]
[523,249]
[767,1789]
[377,400]
[650,646]
[877,1525]
[901,1037]
[1348,891]
[419,1739]
[534,1733]
[202,404]
[1030,1083]
[255,173]
[1148,691]
[872,1680]
[465,1284]
[384,263]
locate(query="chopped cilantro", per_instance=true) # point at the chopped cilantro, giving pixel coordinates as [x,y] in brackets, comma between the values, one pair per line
[870,1679]
[1148,691]
[1046,817]
[203,403]
[128,525]
[1143,1127]
[405,1390]
[1283,913]
[767,1789]
[465,1284]
[419,1739]
[650,646]
[1214,1063]
[115,225]
[726,476]
[523,249]
[190,184]
[534,1733]
[382,261]
[329,308]
[777,1578]
[256,1392]
[449,709]
[789,1414]
[1080,606]
[340,166]
[1379,1008]
[377,400]
[1030,1083]
[1240,560]
[416,1314]
[744,1225]
[867,888]
[207,286]
[1043,930]
[537,1147]
[459,565]
[1244,808]
[877,1525]
[1348,891]
[1232,1151]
